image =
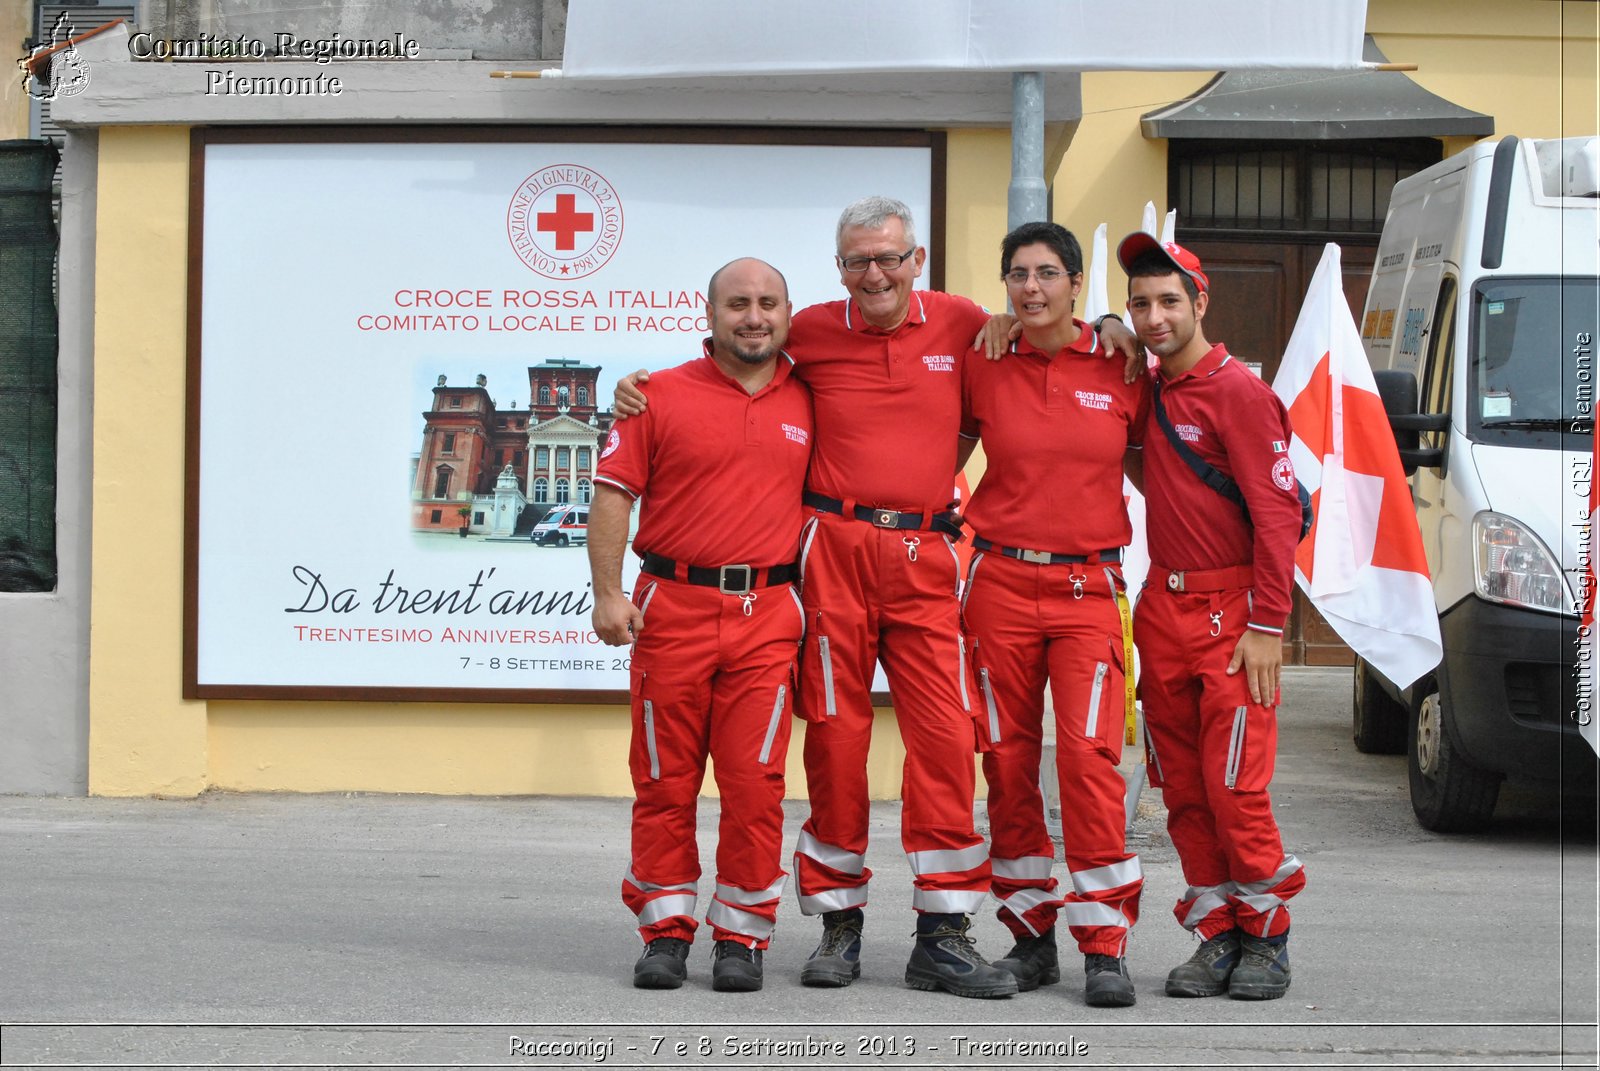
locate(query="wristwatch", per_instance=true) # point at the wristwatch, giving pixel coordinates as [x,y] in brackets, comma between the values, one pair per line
[1100,321]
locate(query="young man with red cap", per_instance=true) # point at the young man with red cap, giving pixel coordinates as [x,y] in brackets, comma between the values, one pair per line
[1209,628]
[717,465]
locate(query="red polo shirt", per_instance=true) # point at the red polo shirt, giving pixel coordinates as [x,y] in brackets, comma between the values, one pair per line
[888,403]
[1227,415]
[1055,427]
[717,471]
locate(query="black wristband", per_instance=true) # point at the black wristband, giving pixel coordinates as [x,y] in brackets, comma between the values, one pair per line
[1100,320]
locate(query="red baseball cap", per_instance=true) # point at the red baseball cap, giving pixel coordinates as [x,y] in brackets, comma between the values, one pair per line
[1138,243]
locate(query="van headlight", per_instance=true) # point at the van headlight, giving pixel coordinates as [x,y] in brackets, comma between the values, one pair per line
[1515,567]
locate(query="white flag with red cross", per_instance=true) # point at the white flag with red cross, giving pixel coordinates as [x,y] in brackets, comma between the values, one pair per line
[1362,564]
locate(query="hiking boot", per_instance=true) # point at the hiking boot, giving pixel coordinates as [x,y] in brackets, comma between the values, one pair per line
[1206,973]
[945,958]
[1032,960]
[735,967]
[1106,983]
[1263,970]
[664,965]
[837,961]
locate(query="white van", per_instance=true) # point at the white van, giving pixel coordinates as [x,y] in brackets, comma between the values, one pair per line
[562,526]
[1481,324]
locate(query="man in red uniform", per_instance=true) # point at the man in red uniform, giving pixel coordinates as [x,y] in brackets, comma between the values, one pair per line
[717,465]
[879,581]
[1210,630]
[1044,602]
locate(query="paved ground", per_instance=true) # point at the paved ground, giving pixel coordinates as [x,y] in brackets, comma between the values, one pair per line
[352,931]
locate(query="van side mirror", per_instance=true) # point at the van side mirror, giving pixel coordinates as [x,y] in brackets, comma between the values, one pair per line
[1398,389]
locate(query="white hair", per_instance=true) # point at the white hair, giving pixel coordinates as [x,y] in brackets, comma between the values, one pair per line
[871,213]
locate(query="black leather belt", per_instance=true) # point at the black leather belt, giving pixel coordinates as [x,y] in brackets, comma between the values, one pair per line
[1044,557]
[948,523]
[728,579]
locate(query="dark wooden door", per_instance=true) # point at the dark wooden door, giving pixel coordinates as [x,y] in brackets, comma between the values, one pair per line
[1256,292]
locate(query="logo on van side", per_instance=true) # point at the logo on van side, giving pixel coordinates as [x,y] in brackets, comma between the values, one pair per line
[1411,340]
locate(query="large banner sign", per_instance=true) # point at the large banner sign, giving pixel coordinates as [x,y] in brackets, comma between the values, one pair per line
[402,360]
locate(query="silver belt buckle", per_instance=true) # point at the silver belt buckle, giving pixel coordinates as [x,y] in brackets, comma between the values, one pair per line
[886,518]
[1175,581]
[724,586]
[1037,557]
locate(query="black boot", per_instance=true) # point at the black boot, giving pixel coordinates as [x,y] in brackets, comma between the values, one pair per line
[1206,973]
[1033,961]
[837,961]
[735,967]
[1106,983]
[945,958]
[664,964]
[1263,970]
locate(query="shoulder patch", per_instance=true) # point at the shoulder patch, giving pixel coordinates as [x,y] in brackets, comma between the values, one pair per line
[1283,474]
[612,442]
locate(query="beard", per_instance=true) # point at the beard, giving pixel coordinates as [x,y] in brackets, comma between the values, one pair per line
[753,353]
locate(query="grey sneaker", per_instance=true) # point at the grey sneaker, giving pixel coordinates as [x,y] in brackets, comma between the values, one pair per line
[735,967]
[1263,970]
[944,957]
[664,964]
[1106,983]
[1206,973]
[837,961]
[1032,960]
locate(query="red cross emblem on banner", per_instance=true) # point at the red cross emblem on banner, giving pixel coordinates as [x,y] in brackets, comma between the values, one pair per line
[565,221]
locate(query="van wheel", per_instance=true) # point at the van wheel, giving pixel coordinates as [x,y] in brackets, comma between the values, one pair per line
[561,539]
[1448,794]
[1379,721]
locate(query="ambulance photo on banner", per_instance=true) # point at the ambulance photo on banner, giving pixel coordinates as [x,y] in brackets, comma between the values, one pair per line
[402,369]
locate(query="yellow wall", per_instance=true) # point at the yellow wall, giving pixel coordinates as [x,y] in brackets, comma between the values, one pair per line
[1111,171]
[1529,63]
[16,26]
[143,739]
[471,749]
[977,172]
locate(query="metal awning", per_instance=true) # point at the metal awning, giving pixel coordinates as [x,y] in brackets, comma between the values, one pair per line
[1315,105]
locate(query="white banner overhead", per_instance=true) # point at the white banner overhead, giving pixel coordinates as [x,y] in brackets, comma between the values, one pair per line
[694,38]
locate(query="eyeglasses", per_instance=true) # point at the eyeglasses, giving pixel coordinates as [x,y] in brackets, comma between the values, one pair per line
[886,262]
[1046,276]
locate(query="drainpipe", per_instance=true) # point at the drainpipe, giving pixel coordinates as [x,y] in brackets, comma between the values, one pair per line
[1026,197]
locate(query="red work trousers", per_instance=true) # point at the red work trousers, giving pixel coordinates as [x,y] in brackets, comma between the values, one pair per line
[876,594]
[1211,751]
[1028,623]
[712,674]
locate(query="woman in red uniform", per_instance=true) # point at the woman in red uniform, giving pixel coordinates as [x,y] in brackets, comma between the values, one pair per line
[1042,606]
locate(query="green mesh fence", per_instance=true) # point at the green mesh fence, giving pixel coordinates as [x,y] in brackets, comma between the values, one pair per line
[27,368]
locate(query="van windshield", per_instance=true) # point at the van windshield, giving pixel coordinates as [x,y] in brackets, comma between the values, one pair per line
[1533,361]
